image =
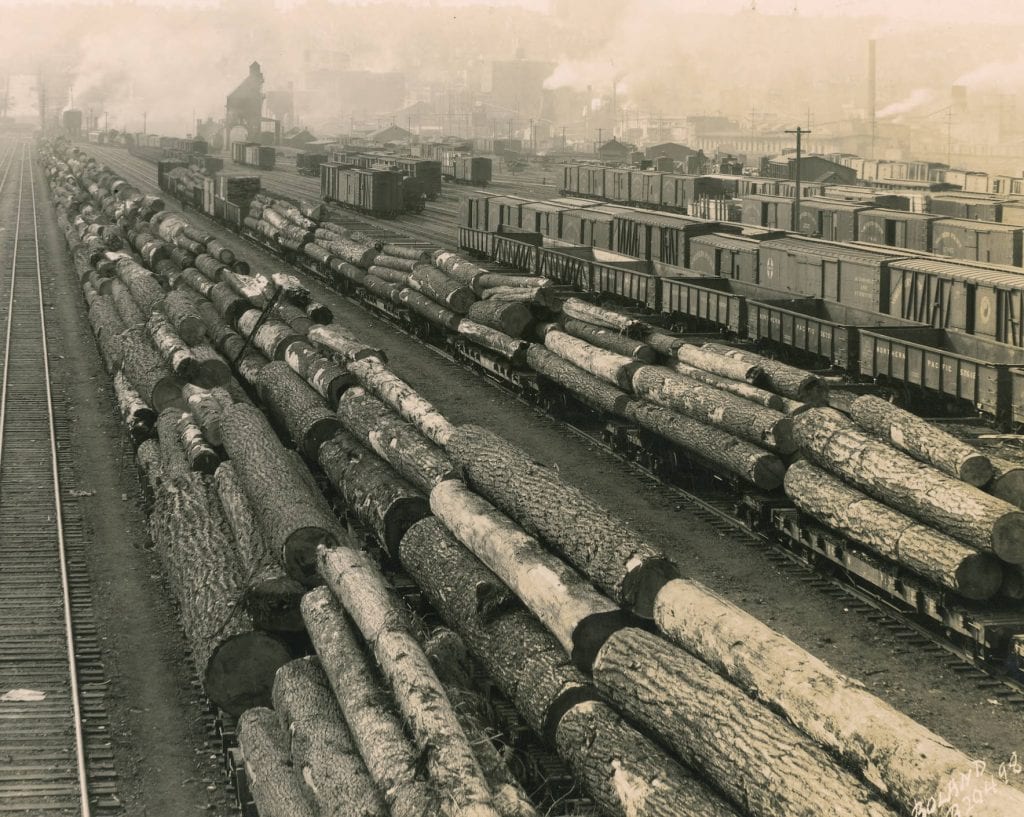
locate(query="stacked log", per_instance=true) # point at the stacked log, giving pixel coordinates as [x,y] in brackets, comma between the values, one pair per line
[595,392]
[506,316]
[721,365]
[610,339]
[124,303]
[429,309]
[757,395]
[343,343]
[302,412]
[137,416]
[270,336]
[1007,481]
[609,366]
[510,348]
[200,455]
[181,310]
[614,557]
[148,373]
[328,377]
[442,289]
[608,318]
[107,326]
[172,348]
[796,384]
[276,786]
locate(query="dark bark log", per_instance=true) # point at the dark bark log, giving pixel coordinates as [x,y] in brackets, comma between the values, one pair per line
[405,251]
[275,783]
[210,266]
[922,440]
[429,309]
[938,557]
[1007,481]
[540,298]
[201,457]
[148,372]
[578,616]
[459,269]
[610,339]
[504,280]
[343,344]
[609,366]
[318,312]
[172,348]
[721,365]
[271,598]
[718,730]
[591,313]
[384,623]
[754,394]
[726,452]
[348,251]
[390,275]
[219,251]
[197,281]
[329,378]
[214,370]
[292,519]
[381,500]
[321,747]
[228,303]
[614,557]
[512,349]
[294,317]
[205,408]
[763,426]
[145,289]
[416,459]
[788,381]
[375,728]
[272,338]
[125,305]
[442,289]
[395,263]
[180,309]
[918,490]
[136,415]
[385,290]
[297,407]
[506,316]
[107,326]
[592,390]
[663,343]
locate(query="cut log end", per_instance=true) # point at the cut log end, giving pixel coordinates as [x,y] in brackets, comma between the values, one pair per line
[979,576]
[318,433]
[976,470]
[591,633]
[273,605]
[1008,537]
[402,515]
[1009,487]
[769,473]
[240,673]
[641,586]
[785,441]
[300,553]
[167,393]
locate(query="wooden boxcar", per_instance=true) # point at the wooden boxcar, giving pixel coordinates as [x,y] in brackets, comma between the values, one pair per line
[896,228]
[661,237]
[774,212]
[830,219]
[377,192]
[590,227]
[308,164]
[970,207]
[978,241]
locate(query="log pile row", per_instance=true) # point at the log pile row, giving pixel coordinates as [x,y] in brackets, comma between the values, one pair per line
[541,585]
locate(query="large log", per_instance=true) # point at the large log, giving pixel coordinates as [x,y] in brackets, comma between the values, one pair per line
[610,339]
[896,754]
[892,534]
[504,280]
[327,376]
[272,337]
[395,263]
[383,621]
[385,290]
[614,368]
[664,343]
[343,343]
[124,303]
[136,414]
[506,316]
[459,268]
[246,286]
[381,500]
[614,557]
[591,313]
[512,349]
[788,381]
[417,459]
[320,745]
[622,770]
[276,785]
[200,455]
[540,297]
[762,397]
[292,518]
[429,309]
[229,304]
[719,364]
[235,663]
[205,408]
[763,426]
[592,390]
[213,371]
[184,317]
[1007,481]
[145,289]
[374,376]
[197,281]
[148,372]
[719,448]
[173,349]
[375,728]
[718,730]
[391,275]
[271,598]
[297,407]
[107,326]
[918,490]
[579,617]
[405,251]
[922,440]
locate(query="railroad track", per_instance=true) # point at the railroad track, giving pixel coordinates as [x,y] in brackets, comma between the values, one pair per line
[55,756]
[719,512]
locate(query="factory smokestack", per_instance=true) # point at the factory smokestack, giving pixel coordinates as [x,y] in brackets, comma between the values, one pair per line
[871,94]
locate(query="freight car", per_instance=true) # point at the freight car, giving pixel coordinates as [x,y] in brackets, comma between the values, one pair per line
[308,164]
[375,192]
[252,154]
[978,241]
[474,170]
[427,171]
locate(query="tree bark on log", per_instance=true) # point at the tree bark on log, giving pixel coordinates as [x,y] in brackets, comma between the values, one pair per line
[201,457]
[342,343]
[762,397]
[318,312]
[540,297]
[173,349]
[763,426]
[459,268]
[385,290]
[376,730]
[181,312]
[197,281]
[228,303]
[391,275]
[246,286]
[148,372]
[297,407]
[379,380]
[393,262]
[214,371]
[218,250]
[788,381]
[523,658]
[107,326]
[593,391]
[144,288]
[663,343]
[613,556]
[136,414]
[382,619]
[381,500]
[271,598]
[717,729]
[895,754]
[1007,481]
[275,783]
[918,490]
[210,267]
[298,320]
[490,280]
[729,453]
[577,615]
[938,557]
[328,377]
[922,440]
[614,368]
[506,316]
[591,313]
[293,520]
[721,365]
[429,309]
[125,305]
[320,745]
[419,461]
[610,339]
[512,349]
[405,251]
[272,338]
[236,663]
[174,466]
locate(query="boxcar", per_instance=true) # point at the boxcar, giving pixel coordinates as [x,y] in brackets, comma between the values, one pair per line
[978,241]
[774,212]
[472,170]
[896,228]
[617,185]
[592,181]
[308,164]
[969,207]
[659,236]
[378,192]
[505,211]
[542,217]
[590,227]
[830,219]
[645,188]
[725,255]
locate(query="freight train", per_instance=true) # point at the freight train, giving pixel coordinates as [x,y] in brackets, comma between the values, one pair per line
[426,171]
[253,154]
[461,169]
[931,326]
[384,193]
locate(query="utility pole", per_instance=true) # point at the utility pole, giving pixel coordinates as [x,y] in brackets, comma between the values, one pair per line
[563,138]
[144,115]
[949,137]
[800,132]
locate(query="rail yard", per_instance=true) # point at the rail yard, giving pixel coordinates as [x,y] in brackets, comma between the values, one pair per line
[392,475]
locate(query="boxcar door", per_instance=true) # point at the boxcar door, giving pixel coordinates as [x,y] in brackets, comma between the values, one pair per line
[830,280]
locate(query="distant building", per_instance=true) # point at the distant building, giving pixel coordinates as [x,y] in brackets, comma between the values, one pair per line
[815,169]
[245,107]
[392,133]
[614,151]
[670,150]
[298,138]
